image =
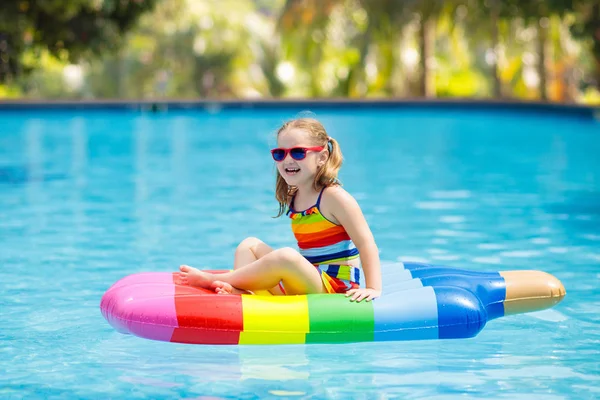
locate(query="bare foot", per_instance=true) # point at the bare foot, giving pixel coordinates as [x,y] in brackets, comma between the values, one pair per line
[194,277]
[225,288]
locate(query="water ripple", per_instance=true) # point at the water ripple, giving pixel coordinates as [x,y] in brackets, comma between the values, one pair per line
[148,192]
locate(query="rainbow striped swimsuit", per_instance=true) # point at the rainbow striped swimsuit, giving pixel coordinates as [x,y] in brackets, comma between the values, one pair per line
[327,246]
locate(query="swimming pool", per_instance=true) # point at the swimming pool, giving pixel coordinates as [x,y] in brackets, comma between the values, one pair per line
[89,196]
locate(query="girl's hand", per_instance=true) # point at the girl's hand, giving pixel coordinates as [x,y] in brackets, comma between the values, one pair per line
[363,293]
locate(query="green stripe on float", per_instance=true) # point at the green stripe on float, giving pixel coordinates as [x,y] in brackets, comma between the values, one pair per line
[333,318]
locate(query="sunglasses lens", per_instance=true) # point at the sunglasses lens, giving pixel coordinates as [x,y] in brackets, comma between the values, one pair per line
[298,154]
[278,154]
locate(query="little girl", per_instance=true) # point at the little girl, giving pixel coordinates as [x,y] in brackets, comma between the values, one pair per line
[333,236]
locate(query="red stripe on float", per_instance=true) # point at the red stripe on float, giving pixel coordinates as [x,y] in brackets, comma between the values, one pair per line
[205,317]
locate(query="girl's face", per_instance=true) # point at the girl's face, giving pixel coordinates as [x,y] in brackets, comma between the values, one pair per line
[299,172]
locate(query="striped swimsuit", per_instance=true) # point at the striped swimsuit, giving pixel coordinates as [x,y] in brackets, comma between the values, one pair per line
[327,246]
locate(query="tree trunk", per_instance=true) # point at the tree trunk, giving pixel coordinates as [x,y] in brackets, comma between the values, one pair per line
[360,81]
[494,20]
[121,73]
[427,51]
[542,39]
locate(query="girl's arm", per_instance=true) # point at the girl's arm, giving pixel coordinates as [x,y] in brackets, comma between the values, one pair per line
[347,212]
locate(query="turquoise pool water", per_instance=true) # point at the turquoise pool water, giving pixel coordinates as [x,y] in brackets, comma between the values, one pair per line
[87,197]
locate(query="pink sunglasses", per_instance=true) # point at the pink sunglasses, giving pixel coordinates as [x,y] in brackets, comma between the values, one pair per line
[297,153]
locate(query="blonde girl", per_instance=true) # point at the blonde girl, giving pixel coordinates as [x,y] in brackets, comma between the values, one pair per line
[334,239]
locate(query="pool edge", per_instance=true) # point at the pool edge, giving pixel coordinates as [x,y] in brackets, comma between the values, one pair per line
[581,110]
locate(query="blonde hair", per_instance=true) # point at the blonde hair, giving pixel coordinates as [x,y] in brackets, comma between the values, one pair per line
[327,175]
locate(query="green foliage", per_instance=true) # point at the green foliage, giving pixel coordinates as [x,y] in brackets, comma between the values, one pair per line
[68,30]
[586,27]
[299,48]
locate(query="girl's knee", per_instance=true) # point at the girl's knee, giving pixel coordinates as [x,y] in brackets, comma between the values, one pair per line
[288,255]
[249,242]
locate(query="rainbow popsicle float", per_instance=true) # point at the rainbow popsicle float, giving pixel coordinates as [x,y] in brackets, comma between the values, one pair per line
[420,301]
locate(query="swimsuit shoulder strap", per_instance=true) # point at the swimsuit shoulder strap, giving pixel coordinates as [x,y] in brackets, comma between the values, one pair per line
[319,198]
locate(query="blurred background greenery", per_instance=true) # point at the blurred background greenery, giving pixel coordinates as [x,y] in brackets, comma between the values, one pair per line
[240,49]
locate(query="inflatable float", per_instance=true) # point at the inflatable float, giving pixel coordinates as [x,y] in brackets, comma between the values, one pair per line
[419,301]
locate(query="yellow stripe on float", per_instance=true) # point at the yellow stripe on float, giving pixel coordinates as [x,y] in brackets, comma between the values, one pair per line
[274,320]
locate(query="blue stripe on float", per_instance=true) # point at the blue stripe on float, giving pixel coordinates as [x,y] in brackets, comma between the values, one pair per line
[489,287]
[436,271]
[496,310]
[460,313]
[415,265]
[406,315]
[396,265]
[390,286]
[397,275]
[391,276]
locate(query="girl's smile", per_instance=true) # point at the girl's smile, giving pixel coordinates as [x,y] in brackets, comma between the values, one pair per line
[291,171]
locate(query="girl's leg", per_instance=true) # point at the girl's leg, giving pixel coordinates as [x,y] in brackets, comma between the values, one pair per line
[248,251]
[286,265]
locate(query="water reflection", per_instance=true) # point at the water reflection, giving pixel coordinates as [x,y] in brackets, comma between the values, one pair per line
[90,199]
